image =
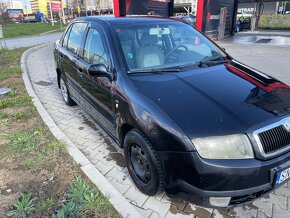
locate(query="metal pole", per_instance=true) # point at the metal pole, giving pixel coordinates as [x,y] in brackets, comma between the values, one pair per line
[59,14]
[51,17]
[2,38]
[99,6]
[63,16]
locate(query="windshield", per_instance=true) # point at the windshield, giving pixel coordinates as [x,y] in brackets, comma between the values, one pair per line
[165,45]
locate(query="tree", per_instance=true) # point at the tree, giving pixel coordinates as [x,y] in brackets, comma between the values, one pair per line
[3,7]
[288,6]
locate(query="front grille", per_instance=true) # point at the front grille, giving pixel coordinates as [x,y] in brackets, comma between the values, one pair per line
[274,139]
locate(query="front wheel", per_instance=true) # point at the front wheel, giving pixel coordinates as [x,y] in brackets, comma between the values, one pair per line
[143,163]
[65,93]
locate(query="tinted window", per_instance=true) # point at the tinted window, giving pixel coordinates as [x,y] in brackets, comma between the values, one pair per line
[75,37]
[95,51]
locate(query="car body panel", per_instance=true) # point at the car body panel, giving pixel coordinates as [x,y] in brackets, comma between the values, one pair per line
[226,103]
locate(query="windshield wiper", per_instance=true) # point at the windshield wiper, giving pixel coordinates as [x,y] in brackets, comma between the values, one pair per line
[162,70]
[204,63]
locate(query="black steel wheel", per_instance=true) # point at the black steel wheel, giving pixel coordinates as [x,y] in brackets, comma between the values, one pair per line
[143,163]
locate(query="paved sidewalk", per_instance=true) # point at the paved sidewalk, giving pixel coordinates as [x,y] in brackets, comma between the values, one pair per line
[108,159]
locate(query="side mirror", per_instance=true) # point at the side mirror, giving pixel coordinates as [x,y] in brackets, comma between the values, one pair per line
[98,70]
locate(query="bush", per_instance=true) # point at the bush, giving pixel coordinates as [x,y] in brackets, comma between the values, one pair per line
[274,21]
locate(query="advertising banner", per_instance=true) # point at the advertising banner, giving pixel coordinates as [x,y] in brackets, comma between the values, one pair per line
[15,14]
[56,7]
[143,7]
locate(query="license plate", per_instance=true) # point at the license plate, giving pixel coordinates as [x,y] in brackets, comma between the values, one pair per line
[282,176]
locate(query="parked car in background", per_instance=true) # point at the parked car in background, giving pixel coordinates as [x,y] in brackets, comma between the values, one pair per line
[243,21]
[241,14]
[192,120]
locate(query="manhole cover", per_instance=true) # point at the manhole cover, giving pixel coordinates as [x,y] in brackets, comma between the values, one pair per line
[4,91]
[43,83]
[263,40]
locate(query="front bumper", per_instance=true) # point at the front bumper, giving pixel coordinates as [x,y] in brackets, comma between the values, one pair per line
[192,178]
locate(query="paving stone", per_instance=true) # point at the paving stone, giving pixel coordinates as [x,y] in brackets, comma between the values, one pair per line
[263,215]
[264,206]
[128,181]
[158,207]
[136,197]
[198,211]
[122,188]
[159,196]
[243,211]
[116,174]
[279,200]
[279,212]
[94,161]
[80,141]
[282,191]
[103,168]
[144,213]
[179,208]
[220,213]
[165,199]
[179,215]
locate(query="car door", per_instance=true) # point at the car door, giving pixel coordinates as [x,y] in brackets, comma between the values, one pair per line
[69,54]
[97,90]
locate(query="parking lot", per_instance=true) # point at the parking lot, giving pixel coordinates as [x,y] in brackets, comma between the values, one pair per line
[102,151]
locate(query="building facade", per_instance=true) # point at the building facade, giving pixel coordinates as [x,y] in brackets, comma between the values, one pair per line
[185,6]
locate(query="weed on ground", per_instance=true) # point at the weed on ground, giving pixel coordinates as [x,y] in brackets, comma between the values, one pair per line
[37,176]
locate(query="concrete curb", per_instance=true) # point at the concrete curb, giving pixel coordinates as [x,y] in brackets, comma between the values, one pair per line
[119,202]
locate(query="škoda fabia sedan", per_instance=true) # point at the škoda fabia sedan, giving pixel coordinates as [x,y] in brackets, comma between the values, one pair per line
[192,120]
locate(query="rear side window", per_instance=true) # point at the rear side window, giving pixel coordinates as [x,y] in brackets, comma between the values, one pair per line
[75,37]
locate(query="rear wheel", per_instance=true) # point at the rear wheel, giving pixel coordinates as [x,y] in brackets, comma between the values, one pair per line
[65,93]
[143,163]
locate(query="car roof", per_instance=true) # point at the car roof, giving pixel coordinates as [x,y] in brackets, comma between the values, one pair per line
[127,19]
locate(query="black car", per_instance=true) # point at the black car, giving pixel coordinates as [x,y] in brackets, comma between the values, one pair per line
[192,120]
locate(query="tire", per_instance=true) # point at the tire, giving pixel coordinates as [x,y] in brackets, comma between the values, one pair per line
[143,163]
[65,92]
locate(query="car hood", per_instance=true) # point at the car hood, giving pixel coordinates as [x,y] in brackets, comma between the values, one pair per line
[218,100]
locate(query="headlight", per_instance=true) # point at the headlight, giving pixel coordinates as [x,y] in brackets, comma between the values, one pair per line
[224,147]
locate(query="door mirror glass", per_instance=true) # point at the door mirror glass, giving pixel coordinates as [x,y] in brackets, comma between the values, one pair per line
[98,70]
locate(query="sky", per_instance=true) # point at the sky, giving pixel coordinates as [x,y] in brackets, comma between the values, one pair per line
[27,4]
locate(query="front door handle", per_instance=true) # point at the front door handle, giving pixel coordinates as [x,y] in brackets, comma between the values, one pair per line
[80,72]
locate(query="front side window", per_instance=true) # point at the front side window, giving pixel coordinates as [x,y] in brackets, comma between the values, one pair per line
[75,37]
[95,51]
[161,45]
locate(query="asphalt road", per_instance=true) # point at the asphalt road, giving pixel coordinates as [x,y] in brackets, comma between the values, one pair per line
[32,40]
[272,60]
